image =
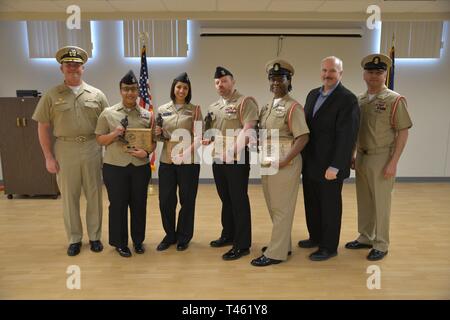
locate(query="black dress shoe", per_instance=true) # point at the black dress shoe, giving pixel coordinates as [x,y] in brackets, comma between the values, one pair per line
[163,246]
[375,255]
[182,246]
[74,249]
[124,252]
[221,242]
[263,249]
[357,245]
[234,254]
[308,243]
[321,255]
[96,245]
[264,261]
[139,248]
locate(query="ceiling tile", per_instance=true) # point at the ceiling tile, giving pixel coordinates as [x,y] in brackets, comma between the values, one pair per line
[346,6]
[294,5]
[137,5]
[191,5]
[87,5]
[239,5]
[35,6]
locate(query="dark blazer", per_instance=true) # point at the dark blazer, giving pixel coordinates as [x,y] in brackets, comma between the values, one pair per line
[333,133]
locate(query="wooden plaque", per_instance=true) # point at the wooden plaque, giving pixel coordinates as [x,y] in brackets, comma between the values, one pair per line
[138,138]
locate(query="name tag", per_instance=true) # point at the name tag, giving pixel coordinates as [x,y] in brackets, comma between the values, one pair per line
[280,110]
[166,114]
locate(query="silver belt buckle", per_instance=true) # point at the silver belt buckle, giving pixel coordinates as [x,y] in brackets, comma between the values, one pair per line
[80,139]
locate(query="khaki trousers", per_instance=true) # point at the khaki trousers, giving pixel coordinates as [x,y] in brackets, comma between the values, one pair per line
[280,192]
[374,199]
[80,169]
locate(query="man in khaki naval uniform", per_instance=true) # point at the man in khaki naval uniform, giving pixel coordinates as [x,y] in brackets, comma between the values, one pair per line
[233,111]
[286,115]
[382,137]
[72,109]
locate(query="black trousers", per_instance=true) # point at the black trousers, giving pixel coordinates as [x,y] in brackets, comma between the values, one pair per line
[323,208]
[232,187]
[185,177]
[126,187]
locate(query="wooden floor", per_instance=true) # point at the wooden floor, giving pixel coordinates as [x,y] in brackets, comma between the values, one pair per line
[33,258]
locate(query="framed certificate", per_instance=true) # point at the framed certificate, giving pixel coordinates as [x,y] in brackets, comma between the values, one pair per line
[138,138]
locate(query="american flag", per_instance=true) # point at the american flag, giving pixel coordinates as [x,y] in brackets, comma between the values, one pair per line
[145,98]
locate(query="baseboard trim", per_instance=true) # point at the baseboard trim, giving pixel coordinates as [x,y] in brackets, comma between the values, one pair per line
[349,180]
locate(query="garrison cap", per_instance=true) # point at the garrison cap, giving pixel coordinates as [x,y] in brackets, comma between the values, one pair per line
[183,77]
[221,72]
[129,78]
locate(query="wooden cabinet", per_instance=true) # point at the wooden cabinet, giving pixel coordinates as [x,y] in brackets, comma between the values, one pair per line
[23,163]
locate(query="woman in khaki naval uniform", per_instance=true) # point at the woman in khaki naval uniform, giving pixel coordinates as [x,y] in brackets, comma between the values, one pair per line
[126,171]
[286,115]
[381,139]
[177,167]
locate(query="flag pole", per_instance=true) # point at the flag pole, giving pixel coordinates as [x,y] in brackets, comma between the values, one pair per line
[143,36]
[391,71]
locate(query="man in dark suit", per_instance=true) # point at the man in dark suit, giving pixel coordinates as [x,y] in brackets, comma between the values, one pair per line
[332,115]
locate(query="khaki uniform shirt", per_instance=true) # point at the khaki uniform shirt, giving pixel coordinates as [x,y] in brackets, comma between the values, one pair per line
[232,114]
[173,119]
[288,117]
[71,115]
[109,119]
[381,118]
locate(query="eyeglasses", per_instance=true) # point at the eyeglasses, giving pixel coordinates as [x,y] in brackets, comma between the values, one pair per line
[127,89]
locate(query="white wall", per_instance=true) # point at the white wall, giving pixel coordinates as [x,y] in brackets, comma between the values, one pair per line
[425,84]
